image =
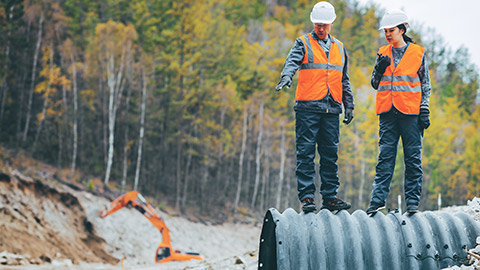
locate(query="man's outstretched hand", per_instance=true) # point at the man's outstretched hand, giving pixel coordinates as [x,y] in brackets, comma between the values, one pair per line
[285,81]
[348,116]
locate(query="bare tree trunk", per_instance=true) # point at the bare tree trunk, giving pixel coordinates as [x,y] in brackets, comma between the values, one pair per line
[266,173]
[61,124]
[164,143]
[125,146]
[271,5]
[240,162]
[34,71]
[362,182]
[258,155]
[104,117]
[282,167]
[4,90]
[187,176]
[60,145]
[22,87]
[63,120]
[287,193]
[127,108]
[228,178]
[111,118]
[142,129]
[115,85]
[220,161]
[4,87]
[346,184]
[75,112]
[248,154]
[178,173]
[203,185]
[45,102]
[21,109]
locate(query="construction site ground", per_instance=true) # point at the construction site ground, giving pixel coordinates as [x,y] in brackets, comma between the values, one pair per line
[47,225]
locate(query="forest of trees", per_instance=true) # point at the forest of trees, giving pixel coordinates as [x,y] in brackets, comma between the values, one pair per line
[176,99]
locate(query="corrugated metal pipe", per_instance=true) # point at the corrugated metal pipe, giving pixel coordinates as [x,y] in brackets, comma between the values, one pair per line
[426,240]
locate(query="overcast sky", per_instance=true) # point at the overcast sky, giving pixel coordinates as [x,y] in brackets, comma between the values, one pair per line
[457,21]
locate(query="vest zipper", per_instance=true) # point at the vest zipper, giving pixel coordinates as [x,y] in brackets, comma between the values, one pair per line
[328,62]
[393,72]
[391,82]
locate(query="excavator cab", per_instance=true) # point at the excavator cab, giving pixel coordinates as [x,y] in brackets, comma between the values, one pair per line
[165,252]
[162,254]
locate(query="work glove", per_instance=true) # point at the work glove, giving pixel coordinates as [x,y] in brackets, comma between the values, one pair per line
[424,118]
[284,81]
[348,116]
[383,61]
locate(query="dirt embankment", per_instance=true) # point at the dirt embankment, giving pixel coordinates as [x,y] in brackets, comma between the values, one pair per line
[46,224]
[55,224]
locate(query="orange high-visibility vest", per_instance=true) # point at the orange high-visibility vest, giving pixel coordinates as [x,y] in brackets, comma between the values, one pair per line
[319,74]
[400,86]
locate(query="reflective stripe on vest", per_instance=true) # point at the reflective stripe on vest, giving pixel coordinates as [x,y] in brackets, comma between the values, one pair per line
[319,74]
[400,86]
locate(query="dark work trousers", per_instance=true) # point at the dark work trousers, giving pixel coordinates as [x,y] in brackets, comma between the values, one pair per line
[393,125]
[321,130]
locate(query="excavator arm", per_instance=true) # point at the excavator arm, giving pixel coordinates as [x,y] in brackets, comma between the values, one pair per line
[165,252]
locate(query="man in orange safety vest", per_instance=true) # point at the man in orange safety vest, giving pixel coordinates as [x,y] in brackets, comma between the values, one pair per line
[323,85]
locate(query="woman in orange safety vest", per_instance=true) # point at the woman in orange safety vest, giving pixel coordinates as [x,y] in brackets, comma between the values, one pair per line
[401,79]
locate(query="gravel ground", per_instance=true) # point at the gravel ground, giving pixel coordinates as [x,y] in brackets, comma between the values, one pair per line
[128,234]
[473,209]
[131,236]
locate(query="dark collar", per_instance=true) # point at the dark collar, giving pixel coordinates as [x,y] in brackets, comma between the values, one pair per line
[317,38]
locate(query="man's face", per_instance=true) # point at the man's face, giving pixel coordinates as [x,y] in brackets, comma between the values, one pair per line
[322,30]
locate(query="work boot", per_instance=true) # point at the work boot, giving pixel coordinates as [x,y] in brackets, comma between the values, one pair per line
[308,205]
[374,208]
[335,204]
[412,209]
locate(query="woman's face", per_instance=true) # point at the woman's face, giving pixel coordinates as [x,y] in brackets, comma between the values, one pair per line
[394,36]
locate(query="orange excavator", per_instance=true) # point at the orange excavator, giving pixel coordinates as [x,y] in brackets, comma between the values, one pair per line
[165,252]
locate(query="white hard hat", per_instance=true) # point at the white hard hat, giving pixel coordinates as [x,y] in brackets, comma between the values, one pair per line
[393,18]
[323,12]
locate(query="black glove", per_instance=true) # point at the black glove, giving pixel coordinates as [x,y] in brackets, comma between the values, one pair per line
[284,81]
[424,118]
[348,116]
[383,61]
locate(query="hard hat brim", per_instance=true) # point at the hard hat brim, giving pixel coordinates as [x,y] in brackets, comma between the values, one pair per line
[392,26]
[323,21]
